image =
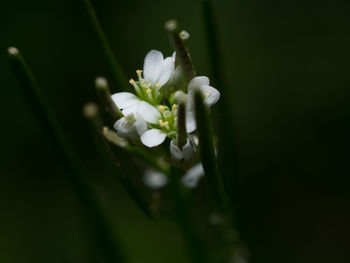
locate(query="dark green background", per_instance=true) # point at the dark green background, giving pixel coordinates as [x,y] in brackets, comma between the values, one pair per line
[287,65]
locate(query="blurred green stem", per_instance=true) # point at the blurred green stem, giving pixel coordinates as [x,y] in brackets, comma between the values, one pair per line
[196,249]
[90,111]
[227,154]
[207,152]
[72,163]
[113,138]
[172,28]
[105,96]
[116,71]
[181,124]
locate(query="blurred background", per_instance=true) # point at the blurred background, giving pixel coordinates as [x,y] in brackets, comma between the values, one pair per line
[286,66]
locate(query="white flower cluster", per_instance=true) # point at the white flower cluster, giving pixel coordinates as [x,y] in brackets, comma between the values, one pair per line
[150,115]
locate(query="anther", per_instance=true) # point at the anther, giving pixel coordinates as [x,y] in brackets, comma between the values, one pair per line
[148,90]
[207,94]
[132,82]
[138,72]
[161,108]
[174,107]
[158,85]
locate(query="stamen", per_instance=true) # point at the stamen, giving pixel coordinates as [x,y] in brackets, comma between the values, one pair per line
[161,108]
[174,107]
[163,124]
[148,90]
[158,85]
[132,82]
[138,72]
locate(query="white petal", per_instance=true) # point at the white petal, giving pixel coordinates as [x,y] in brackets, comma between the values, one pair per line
[173,56]
[148,112]
[197,82]
[152,66]
[190,121]
[117,124]
[125,129]
[188,150]
[175,151]
[131,109]
[154,180]
[193,176]
[167,71]
[211,95]
[124,99]
[153,137]
[140,125]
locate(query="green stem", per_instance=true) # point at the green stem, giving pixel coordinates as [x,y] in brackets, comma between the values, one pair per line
[207,152]
[105,96]
[196,249]
[147,158]
[172,28]
[72,163]
[90,110]
[115,69]
[227,155]
[181,125]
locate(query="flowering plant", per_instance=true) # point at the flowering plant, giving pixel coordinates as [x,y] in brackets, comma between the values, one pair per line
[167,108]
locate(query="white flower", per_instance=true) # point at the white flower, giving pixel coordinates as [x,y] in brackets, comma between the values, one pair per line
[211,95]
[162,123]
[187,151]
[155,180]
[192,176]
[130,126]
[156,72]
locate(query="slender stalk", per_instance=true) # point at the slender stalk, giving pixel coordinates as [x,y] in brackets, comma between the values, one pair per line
[73,165]
[213,46]
[147,158]
[181,125]
[227,155]
[172,28]
[207,152]
[196,249]
[115,69]
[105,96]
[90,111]
[113,138]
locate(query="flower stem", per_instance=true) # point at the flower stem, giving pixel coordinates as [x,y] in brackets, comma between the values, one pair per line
[181,125]
[171,26]
[196,249]
[113,138]
[71,162]
[90,111]
[115,69]
[207,152]
[227,155]
[105,96]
